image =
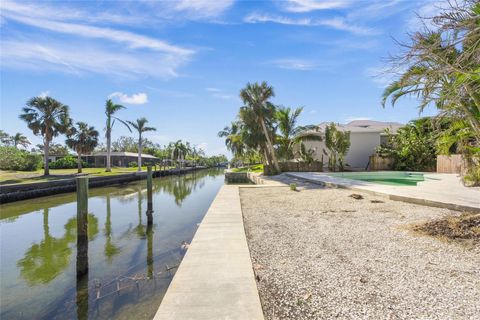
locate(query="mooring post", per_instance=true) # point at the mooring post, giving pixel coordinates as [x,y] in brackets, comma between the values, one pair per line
[82,226]
[149,195]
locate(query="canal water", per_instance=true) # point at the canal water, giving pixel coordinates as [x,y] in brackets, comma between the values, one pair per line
[130,264]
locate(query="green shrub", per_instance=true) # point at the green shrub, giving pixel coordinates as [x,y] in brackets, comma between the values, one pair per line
[132,164]
[67,162]
[13,159]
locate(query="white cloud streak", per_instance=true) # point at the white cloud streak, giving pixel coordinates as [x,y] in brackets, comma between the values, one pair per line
[116,53]
[337,23]
[133,40]
[312,5]
[295,64]
[202,8]
[59,57]
[136,98]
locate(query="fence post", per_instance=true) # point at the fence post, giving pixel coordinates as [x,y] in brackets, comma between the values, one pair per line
[82,226]
[149,195]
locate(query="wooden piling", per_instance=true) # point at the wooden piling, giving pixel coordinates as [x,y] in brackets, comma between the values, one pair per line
[82,226]
[149,195]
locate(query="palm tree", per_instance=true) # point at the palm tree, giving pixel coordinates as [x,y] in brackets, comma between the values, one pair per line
[139,125]
[233,139]
[179,151]
[255,96]
[291,134]
[5,138]
[46,117]
[20,139]
[110,109]
[83,139]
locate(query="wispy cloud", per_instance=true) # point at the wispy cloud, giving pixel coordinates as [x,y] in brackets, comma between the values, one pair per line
[132,40]
[201,8]
[44,94]
[136,98]
[218,93]
[337,23]
[295,64]
[60,57]
[117,53]
[423,15]
[382,76]
[312,5]
[41,10]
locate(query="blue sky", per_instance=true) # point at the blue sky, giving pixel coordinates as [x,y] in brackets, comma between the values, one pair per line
[182,63]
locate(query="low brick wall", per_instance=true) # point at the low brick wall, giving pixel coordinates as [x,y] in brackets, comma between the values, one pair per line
[291,166]
[16,192]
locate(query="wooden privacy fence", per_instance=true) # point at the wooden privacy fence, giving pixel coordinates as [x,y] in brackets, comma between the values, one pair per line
[376,162]
[454,163]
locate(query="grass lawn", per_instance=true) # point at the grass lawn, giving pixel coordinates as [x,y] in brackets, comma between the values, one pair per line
[15,177]
[254,168]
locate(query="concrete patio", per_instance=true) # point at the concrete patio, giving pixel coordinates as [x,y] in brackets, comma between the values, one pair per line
[438,189]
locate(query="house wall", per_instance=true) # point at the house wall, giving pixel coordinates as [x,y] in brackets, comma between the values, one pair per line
[362,146]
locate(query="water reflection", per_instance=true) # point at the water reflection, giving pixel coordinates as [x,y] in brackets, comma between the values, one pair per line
[111,249]
[131,263]
[150,251]
[44,261]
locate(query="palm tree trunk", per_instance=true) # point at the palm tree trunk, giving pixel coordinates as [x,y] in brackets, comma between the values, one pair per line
[79,163]
[140,153]
[270,146]
[109,149]
[46,150]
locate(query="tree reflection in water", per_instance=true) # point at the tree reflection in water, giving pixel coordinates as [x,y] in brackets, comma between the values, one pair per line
[44,261]
[110,249]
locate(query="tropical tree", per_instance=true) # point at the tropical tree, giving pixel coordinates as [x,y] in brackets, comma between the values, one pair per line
[291,134]
[110,109]
[233,138]
[412,147]
[179,151]
[5,138]
[20,140]
[83,139]
[255,97]
[55,149]
[338,143]
[440,65]
[46,117]
[139,125]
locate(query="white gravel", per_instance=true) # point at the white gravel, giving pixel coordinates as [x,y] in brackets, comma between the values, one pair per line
[320,254]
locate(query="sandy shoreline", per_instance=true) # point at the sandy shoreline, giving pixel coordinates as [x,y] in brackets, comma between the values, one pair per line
[320,254]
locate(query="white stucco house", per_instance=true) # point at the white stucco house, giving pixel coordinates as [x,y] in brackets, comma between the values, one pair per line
[365,136]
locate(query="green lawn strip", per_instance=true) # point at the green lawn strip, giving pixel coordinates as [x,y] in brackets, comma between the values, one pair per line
[254,168]
[22,177]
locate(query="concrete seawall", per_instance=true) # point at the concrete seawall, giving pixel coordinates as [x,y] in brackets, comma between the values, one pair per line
[16,192]
[215,279]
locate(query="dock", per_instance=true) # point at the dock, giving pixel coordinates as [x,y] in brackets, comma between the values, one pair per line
[215,279]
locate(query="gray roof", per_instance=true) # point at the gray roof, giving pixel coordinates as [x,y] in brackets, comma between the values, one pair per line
[365,126]
[124,154]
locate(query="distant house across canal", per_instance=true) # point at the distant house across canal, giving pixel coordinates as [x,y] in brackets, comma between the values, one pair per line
[119,159]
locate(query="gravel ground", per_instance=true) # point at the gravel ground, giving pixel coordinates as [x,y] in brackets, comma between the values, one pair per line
[320,254]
